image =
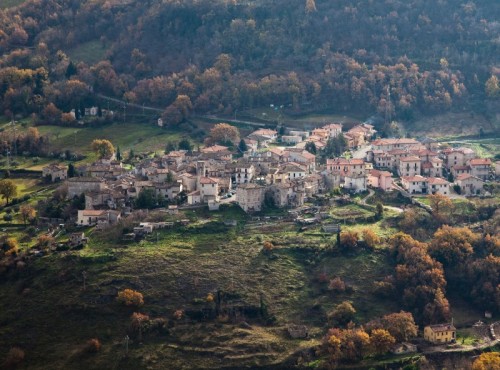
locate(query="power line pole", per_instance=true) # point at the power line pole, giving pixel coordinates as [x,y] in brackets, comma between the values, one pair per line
[127,338]
[84,274]
[388,107]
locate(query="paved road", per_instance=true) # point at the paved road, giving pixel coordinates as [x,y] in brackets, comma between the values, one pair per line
[371,193]
[361,153]
[158,110]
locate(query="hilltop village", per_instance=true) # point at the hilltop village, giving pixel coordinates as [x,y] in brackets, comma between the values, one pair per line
[278,170]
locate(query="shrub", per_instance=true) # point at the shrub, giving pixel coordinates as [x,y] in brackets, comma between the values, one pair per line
[14,357]
[370,238]
[342,313]
[349,239]
[336,285]
[7,218]
[268,246]
[323,278]
[45,241]
[130,297]
[93,345]
[178,314]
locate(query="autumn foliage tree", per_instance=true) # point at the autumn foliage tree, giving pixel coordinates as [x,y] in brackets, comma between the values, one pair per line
[224,133]
[342,314]
[484,279]
[418,276]
[452,246]
[103,148]
[337,285]
[348,240]
[370,238]
[401,325]
[27,213]
[487,361]
[178,111]
[441,206]
[137,323]
[347,345]
[130,297]
[93,345]
[381,341]
[8,189]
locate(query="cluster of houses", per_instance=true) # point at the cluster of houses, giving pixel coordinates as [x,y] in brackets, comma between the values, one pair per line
[274,170]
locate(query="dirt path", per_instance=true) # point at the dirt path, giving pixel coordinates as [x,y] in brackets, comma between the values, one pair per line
[371,193]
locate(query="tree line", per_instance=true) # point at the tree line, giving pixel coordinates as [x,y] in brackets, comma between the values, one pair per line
[404,58]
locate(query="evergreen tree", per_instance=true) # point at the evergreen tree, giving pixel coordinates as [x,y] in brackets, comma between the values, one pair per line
[170,147]
[311,147]
[71,70]
[242,146]
[118,154]
[185,144]
[71,170]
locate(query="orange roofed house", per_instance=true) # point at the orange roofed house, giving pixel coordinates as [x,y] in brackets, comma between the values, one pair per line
[481,167]
[441,333]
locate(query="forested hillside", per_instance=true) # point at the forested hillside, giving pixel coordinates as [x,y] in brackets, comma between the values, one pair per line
[402,57]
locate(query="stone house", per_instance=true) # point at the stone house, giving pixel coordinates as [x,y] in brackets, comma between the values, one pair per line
[415,184]
[80,185]
[291,139]
[469,185]
[287,194]
[438,185]
[189,182]
[457,156]
[355,182]
[409,166]
[402,348]
[76,239]
[440,333]
[91,217]
[168,191]
[460,170]
[243,172]
[346,167]
[250,197]
[391,144]
[56,172]
[480,167]
[380,179]
[303,157]
[209,189]
[334,129]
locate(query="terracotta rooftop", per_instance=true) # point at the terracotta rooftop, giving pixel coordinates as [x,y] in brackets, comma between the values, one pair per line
[442,327]
[480,162]
[437,181]
[414,178]
[214,149]
[411,158]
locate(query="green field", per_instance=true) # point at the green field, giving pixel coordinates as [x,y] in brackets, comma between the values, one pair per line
[89,52]
[307,121]
[137,136]
[176,269]
[4,4]
[485,148]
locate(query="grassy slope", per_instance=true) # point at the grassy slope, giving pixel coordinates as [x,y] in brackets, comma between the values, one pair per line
[141,137]
[177,272]
[89,52]
[4,4]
